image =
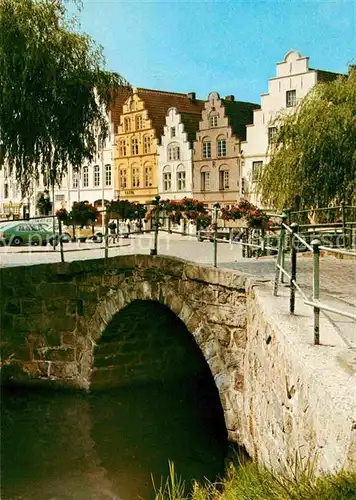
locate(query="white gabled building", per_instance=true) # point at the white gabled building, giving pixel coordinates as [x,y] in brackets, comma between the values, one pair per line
[175,154]
[294,79]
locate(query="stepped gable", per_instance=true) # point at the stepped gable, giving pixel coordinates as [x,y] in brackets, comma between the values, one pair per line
[122,94]
[239,115]
[191,124]
[158,102]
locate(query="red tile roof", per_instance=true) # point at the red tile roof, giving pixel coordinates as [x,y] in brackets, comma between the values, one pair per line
[158,102]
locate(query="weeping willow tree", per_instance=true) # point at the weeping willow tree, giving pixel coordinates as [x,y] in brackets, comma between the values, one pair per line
[313,155]
[54,91]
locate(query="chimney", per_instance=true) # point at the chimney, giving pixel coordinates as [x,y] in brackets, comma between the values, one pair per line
[230,98]
[191,96]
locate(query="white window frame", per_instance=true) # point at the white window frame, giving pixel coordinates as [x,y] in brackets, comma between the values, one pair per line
[213,121]
[134,146]
[291,98]
[173,152]
[148,176]
[108,175]
[173,132]
[96,177]
[136,177]
[181,180]
[256,169]
[221,147]
[224,180]
[85,177]
[123,178]
[75,178]
[205,180]
[206,149]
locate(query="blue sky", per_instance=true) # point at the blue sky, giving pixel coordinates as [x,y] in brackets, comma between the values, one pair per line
[231,47]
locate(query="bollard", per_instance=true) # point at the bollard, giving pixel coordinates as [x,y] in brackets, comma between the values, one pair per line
[316,275]
[294,227]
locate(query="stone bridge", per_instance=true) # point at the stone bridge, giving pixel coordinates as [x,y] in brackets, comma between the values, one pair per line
[56,320]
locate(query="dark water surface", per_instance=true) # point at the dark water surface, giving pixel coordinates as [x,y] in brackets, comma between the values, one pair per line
[106,445]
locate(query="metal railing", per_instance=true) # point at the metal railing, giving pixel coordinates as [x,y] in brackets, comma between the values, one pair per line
[315,247]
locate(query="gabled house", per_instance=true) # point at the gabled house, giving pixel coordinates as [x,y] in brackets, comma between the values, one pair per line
[175,154]
[217,149]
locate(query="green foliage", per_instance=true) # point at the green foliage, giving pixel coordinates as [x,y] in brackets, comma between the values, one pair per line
[82,214]
[125,210]
[313,155]
[54,92]
[251,482]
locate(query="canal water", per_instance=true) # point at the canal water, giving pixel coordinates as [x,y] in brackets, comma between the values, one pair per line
[110,444]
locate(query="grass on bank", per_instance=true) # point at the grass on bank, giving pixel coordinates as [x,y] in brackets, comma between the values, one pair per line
[249,482]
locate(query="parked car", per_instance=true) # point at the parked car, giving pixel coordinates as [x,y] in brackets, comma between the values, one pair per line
[208,234]
[27,233]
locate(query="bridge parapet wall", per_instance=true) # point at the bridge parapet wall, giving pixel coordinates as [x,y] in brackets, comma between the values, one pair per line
[281,395]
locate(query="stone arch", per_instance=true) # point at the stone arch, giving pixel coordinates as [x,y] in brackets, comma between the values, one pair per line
[144,290]
[195,323]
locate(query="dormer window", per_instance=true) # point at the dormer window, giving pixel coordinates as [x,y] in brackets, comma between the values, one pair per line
[291,98]
[213,121]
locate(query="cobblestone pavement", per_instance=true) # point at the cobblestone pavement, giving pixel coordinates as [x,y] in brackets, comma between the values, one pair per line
[337,277]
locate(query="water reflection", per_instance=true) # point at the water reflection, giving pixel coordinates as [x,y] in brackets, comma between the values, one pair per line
[105,445]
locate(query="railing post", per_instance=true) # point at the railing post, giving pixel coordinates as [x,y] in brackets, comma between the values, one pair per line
[60,239]
[106,239]
[215,226]
[316,281]
[294,227]
[153,250]
[343,219]
[280,256]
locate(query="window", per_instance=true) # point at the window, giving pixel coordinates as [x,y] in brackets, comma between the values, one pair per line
[136,177]
[167,181]
[173,152]
[271,134]
[206,149]
[213,121]
[123,178]
[122,147]
[148,176]
[74,179]
[96,176]
[138,122]
[291,98]
[256,168]
[85,177]
[242,186]
[6,190]
[134,146]
[146,144]
[223,180]
[221,147]
[107,175]
[181,179]
[173,132]
[127,124]
[205,181]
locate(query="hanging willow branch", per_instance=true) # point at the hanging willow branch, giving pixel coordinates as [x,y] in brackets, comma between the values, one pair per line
[54,92]
[313,155]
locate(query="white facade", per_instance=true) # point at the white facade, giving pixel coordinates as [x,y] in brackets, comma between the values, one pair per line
[293,81]
[174,160]
[94,182]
